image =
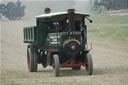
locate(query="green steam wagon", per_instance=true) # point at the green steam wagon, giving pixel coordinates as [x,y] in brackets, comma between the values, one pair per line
[49,45]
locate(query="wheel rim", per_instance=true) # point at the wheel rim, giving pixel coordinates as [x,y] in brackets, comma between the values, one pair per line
[56,67]
[28,59]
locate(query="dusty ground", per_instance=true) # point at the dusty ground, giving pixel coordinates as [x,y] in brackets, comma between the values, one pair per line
[110,61]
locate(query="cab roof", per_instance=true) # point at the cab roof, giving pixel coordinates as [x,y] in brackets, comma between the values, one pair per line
[50,15]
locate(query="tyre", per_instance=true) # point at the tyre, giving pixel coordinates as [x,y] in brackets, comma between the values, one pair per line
[56,65]
[89,66]
[31,60]
[14,13]
[76,68]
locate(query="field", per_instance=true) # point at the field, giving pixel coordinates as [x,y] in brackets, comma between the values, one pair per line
[107,34]
[110,27]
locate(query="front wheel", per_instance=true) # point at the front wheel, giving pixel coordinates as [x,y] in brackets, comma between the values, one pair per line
[89,65]
[56,65]
[31,60]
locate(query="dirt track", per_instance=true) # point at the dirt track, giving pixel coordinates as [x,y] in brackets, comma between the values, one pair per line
[110,61]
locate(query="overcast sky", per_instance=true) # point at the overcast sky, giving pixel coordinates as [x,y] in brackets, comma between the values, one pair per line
[45,0]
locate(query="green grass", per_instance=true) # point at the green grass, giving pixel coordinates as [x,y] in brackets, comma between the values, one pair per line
[109,27]
[110,19]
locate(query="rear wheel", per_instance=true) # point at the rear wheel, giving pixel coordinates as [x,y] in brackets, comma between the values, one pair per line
[13,13]
[56,65]
[31,60]
[89,66]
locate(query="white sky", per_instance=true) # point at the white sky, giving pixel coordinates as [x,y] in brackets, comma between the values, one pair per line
[45,0]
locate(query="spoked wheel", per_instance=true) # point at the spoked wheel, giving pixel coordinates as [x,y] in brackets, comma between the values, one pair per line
[89,66]
[31,60]
[13,14]
[56,65]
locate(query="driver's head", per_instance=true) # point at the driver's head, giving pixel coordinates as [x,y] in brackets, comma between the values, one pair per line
[47,10]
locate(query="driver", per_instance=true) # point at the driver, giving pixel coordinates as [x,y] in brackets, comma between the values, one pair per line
[47,10]
[18,3]
[82,30]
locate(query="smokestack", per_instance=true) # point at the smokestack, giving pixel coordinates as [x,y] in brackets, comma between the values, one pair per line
[71,19]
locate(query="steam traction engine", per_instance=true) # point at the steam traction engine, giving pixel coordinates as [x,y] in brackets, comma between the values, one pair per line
[49,46]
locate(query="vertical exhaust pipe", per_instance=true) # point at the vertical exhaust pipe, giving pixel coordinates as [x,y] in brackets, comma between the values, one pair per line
[71,20]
